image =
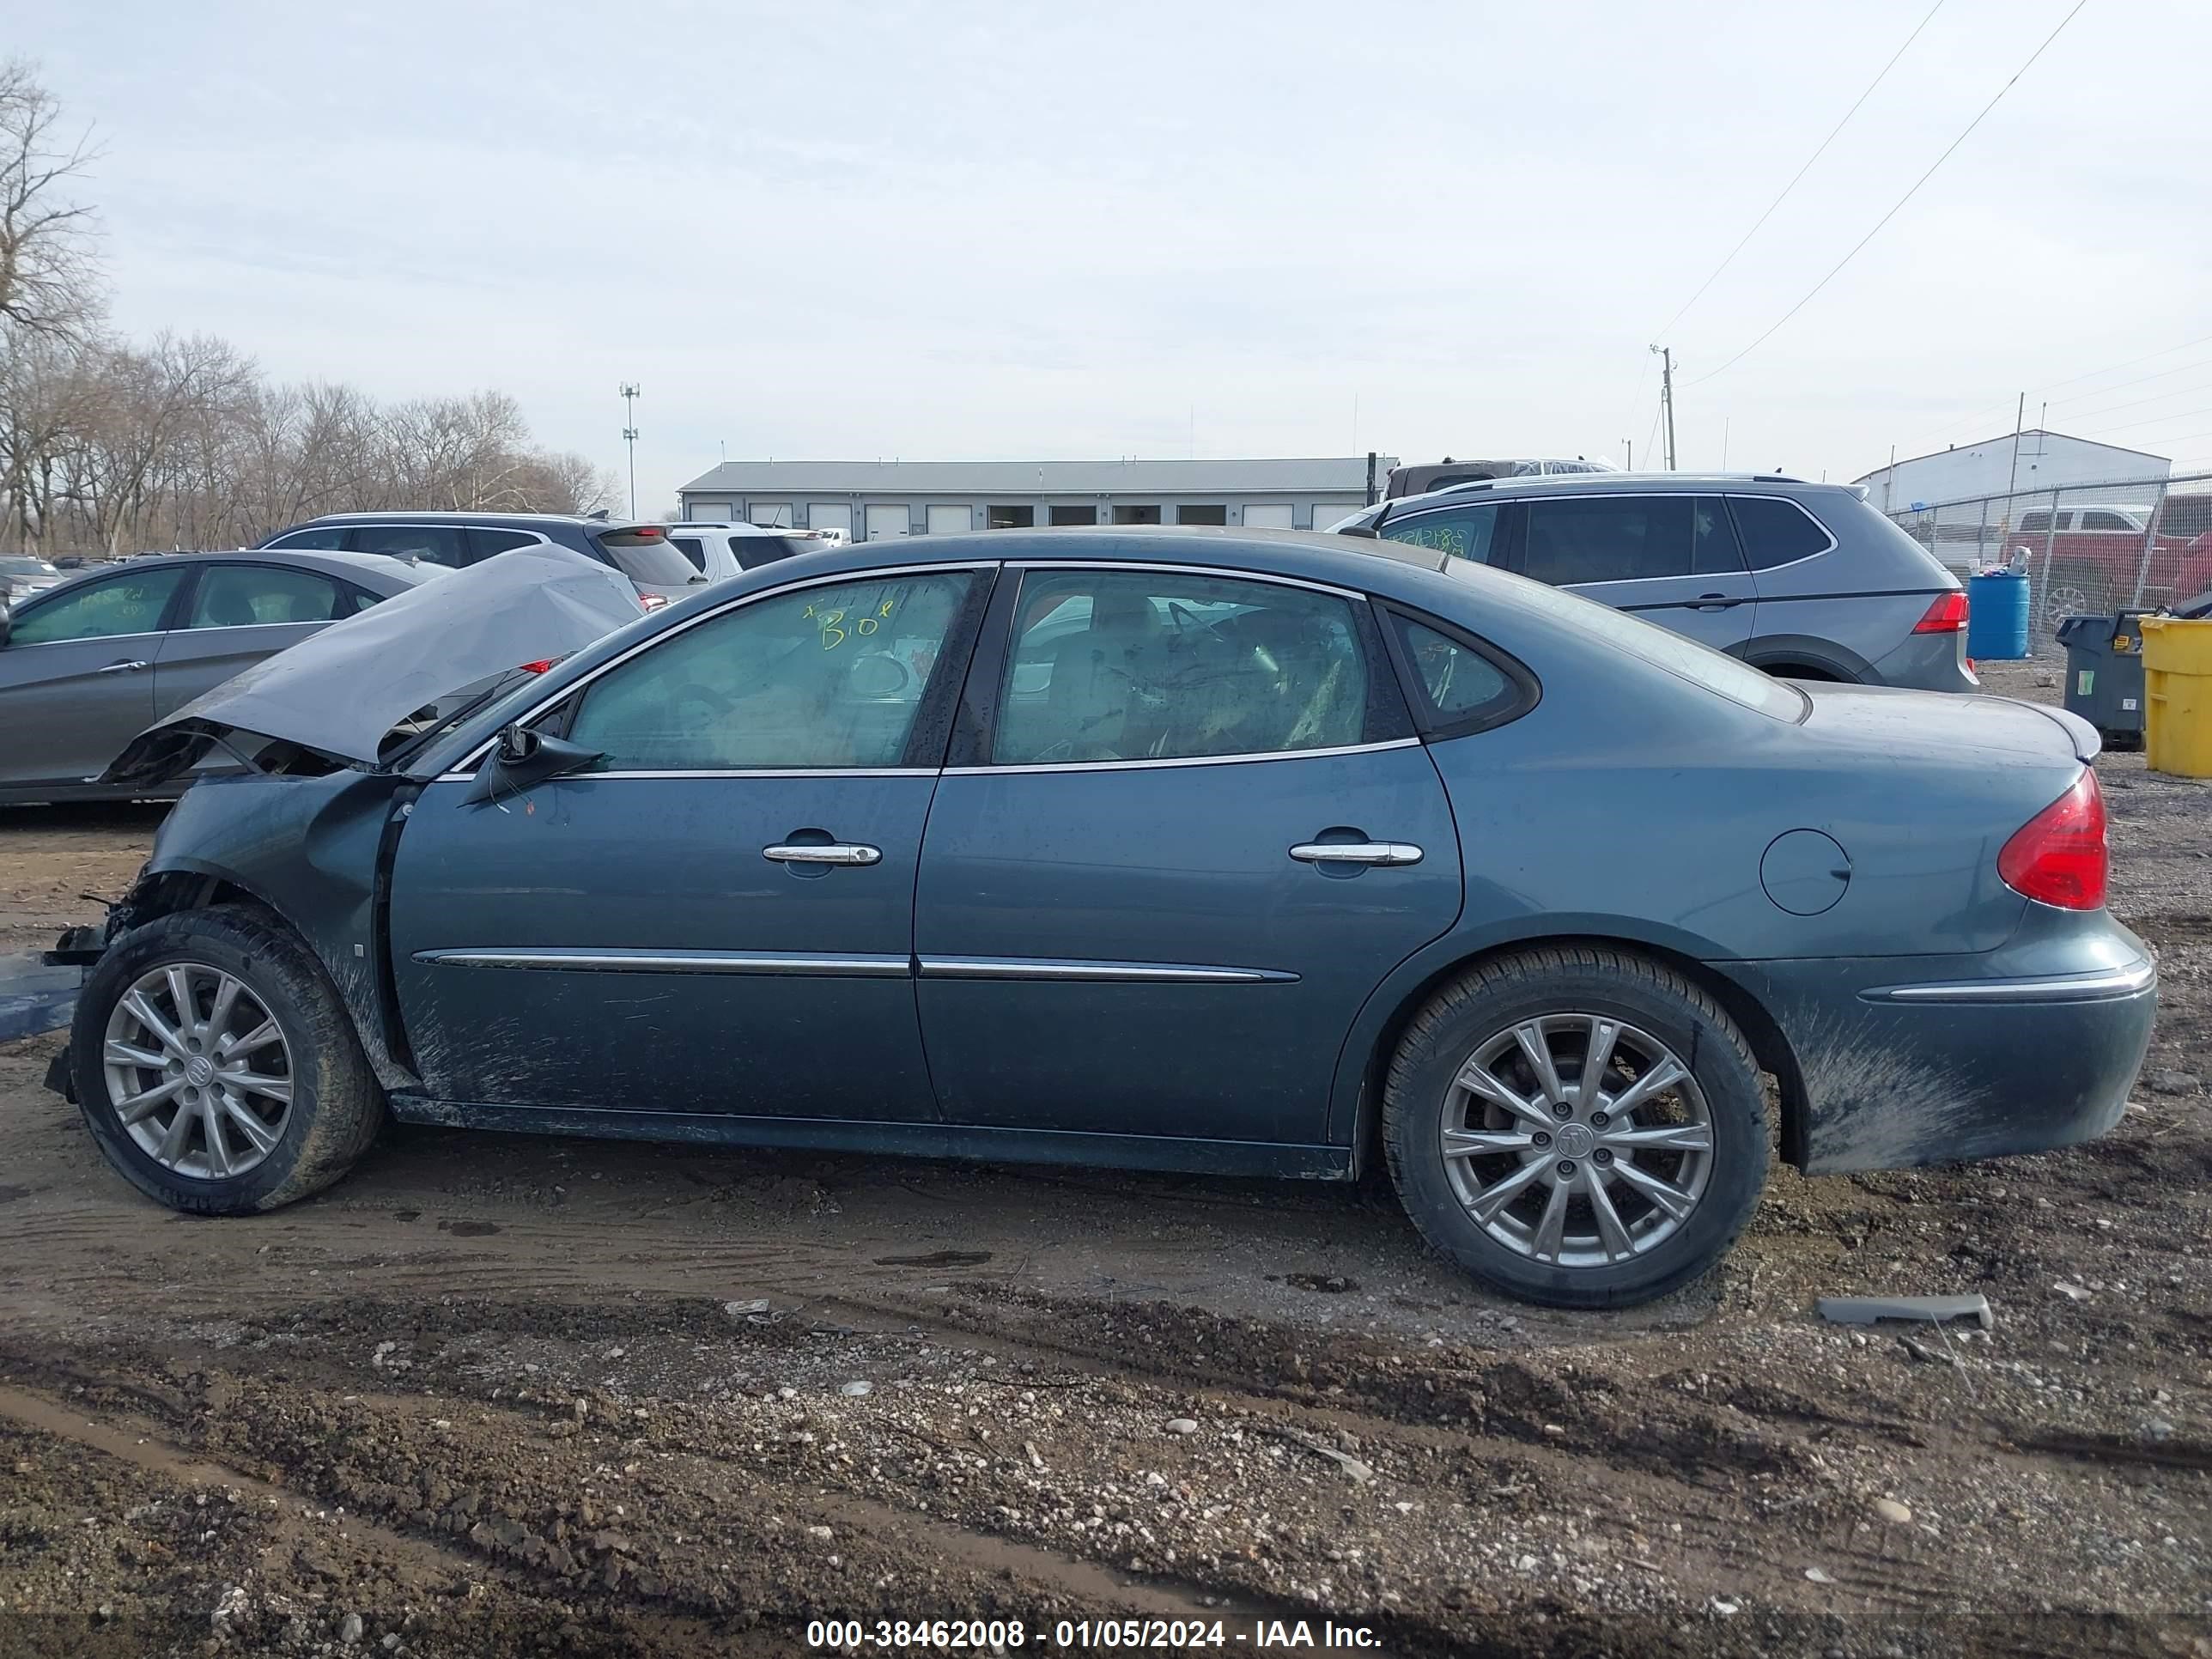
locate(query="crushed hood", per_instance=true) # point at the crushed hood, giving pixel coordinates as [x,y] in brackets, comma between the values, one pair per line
[339,691]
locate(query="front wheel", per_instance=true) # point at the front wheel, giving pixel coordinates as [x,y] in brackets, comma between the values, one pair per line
[216,1067]
[1578,1126]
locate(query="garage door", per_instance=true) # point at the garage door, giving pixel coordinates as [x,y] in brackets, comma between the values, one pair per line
[1325,514]
[1269,515]
[829,515]
[950,521]
[887,521]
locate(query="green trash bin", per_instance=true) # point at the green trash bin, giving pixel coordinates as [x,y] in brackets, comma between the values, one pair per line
[2104,673]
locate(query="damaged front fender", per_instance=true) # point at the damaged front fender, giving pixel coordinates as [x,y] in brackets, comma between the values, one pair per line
[313,851]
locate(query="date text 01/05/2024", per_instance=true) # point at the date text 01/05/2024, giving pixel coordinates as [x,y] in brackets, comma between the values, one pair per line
[1011,1635]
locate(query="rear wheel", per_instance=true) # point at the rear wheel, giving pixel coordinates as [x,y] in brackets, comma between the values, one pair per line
[1578,1126]
[216,1067]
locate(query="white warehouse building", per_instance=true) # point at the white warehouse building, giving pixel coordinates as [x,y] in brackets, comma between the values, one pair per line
[2021,463]
[871,500]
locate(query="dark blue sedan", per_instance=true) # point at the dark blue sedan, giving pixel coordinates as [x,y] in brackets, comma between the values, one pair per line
[1236,853]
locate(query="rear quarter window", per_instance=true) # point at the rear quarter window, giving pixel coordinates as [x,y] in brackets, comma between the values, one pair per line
[1775,532]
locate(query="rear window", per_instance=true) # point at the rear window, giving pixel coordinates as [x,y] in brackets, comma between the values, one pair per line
[644,555]
[1685,659]
[1775,532]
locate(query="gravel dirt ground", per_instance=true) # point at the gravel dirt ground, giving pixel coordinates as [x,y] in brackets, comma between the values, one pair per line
[492,1396]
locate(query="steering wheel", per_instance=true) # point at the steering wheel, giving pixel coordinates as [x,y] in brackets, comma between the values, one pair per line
[1181,615]
[878,675]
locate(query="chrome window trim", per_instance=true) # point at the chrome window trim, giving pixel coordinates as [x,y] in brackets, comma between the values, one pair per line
[2100,986]
[741,772]
[474,757]
[1216,572]
[1190,760]
[1077,968]
[674,961]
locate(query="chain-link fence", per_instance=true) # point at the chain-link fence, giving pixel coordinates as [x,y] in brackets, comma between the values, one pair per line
[2090,548]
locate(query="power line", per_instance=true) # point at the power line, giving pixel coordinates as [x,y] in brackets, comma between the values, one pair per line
[1901,200]
[1799,174]
[2137,403]
[2139,380]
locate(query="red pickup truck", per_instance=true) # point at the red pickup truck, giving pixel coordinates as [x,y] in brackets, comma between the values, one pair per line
[2094,551]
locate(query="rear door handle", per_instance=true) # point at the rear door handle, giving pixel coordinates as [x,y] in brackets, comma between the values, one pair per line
[125,667]
[844,853]
[1716,602]
[1357,852]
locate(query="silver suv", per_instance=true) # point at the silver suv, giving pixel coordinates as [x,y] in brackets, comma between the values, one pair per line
[1804,580]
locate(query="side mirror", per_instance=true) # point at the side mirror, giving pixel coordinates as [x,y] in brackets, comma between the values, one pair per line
[521,757]
[7,621]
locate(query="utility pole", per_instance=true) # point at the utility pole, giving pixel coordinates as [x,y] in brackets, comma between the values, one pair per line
[630,437]
[1667,397]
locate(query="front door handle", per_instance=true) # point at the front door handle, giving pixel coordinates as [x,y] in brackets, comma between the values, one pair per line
[836,852]
[125,667]
[1357,852]
[1714,602]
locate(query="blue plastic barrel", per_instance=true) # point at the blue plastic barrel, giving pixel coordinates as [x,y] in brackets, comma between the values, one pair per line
[1997,617]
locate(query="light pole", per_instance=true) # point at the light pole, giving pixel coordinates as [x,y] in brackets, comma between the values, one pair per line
[630,437]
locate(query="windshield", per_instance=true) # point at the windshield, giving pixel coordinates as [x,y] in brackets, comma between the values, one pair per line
[25,567]
[1685,659]
[643,554]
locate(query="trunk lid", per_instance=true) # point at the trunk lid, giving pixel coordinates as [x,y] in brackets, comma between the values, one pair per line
[1937,725]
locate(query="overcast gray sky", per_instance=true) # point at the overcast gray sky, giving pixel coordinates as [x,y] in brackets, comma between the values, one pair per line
[966,230]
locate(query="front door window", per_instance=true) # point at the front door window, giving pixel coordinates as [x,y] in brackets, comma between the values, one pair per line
[816,678]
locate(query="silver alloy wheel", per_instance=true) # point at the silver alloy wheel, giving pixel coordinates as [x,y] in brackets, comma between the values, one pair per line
[199,1072]
[1576,1139]
[2067,600]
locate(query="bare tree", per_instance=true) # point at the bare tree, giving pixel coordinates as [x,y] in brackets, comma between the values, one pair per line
[48,280]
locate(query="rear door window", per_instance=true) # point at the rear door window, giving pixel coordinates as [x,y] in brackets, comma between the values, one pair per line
[1610,538]
[431,544]
[254,595]
[1775,532]
[692,549]
[2100,518]
[1464,532]
[483,543]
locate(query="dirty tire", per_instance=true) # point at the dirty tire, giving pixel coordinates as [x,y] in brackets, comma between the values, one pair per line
[1618,984]
[337,1107]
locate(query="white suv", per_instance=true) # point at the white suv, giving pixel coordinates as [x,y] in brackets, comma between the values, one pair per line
[721,548]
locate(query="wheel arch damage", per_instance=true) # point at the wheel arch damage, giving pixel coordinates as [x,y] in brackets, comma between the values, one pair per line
[313,853]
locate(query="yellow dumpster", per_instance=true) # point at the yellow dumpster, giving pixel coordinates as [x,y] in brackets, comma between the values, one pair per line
[2178,695]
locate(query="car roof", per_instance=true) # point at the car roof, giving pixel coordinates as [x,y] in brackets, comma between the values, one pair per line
[521,520]
[372,569]
[1625,483]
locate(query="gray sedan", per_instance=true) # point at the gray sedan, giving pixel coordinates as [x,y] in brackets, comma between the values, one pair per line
[88,664]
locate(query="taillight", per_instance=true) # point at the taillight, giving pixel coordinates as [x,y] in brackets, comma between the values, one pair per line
[538,667]
[653,601]
[2058,856]
[1947,616]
